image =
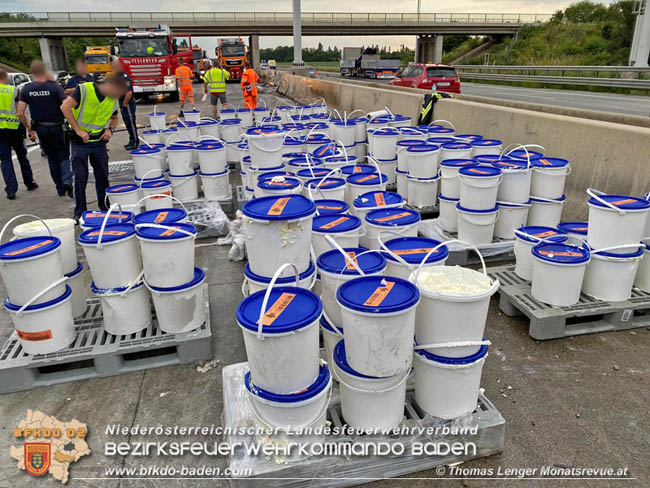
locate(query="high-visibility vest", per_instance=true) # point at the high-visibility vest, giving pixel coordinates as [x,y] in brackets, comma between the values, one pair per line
[8,113]
[184,76]
[216,80]
[249,81]
[91,114]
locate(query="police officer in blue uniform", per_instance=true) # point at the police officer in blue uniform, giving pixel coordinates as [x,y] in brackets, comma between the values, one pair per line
[127,107]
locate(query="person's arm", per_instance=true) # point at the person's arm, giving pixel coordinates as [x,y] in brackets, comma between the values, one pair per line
[66,107]
[226,74]
[70,86]
[106,136]
[205,84]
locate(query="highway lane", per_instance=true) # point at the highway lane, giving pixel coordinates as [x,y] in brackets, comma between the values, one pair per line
[604,102]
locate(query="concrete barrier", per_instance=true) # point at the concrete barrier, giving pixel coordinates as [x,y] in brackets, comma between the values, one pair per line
[609,156]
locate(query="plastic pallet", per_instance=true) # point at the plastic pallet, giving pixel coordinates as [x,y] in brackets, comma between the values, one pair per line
[95,353]
[426,212]
[117,171]
[588,316]
[335,471]
[199,212]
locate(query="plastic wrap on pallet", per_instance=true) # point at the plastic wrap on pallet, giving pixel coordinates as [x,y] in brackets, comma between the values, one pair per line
[235,239]
[209,218]
[431,228]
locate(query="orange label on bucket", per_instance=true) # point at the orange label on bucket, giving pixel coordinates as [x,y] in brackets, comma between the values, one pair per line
[44,335]
[336,222]
[120,188]
[170,232]
[327,207]
[505,163]
[29,248]
[623,202]
[278,183]
[158,183]
[325,183]
[353,256]
[277,308]
[422,250]
[366,178]
[546,234]
[379,294]
[580,228]
[380,200]
[393,217]
[161,217]
[478,171]
[357,169]
[545,162]
[160,195]
[108,233]
[563,253]
[278,207]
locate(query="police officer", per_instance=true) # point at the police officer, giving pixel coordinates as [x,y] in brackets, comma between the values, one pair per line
[11,137]
[81,76]
[127,106]
[44,97]
[91,111]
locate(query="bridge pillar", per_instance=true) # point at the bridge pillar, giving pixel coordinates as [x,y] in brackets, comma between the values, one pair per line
[428,49]
[640,52]
[53,53]
[254,48]
[297,35]
[437,49]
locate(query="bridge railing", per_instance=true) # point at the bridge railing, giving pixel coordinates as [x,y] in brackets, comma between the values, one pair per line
[284,17]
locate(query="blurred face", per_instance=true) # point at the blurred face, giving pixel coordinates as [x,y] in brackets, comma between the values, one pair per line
[80,68]
[117,66]
[111,90]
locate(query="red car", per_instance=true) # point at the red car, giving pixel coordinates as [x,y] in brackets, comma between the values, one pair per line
[423,76]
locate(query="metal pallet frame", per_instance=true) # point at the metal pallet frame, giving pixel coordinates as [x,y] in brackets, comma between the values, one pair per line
[588,316]
[96,353]
[333,471]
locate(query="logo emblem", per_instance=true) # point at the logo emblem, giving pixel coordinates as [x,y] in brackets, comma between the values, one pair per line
[37,458]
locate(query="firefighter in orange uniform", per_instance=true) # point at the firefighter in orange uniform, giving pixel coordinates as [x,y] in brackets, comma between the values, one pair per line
[249,81]
[184,79]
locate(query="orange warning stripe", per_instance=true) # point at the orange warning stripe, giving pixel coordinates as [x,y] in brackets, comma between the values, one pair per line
[546,234]
[380,201]
[278,207]
[328,207]
[277,308]
[34,336]
[29,248]
[562,253]
[379,295]
[353,256]
[108,233]
[422,250]
[623,202]
[478,171]
[393,217]
[366,178]
[357,169]
[158,196]
[171,231]
[161,217]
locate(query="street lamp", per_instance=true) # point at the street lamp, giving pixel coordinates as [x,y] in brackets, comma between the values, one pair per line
[297,35]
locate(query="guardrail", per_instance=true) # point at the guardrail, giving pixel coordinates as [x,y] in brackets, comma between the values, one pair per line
[307,17]
[623,76]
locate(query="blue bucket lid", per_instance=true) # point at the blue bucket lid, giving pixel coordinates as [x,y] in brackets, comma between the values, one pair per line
[112,291]
[151,131]
[378,294]
[385,131]
[458,163]
[188,123]
[283,280]
[335,223]
[230,121]
[317,137]
[78,269]
[225,171]
[477,211]
[410,131]
[199,276]
[124,188]
[510,164]
[316,125]
[156,113]
[367,179]
[180,147]
[281,207]
[488,158]
[447,199]
[392,216]
[441,130]
[487,142]
[514,204]
[266,182]
[480,171]
[548,233]
[377,198]
[303,309]
[294,155]
[28,247]
[440,140]
[327,326]
[413,249]
[328,149]
[244,109]
[328,206]
[305,163]
[314,173]
[521,154]
[574,227]
[481,353]
[352,169]
[209,146]
[340,159]
[342,362]
[349,122]
[334,262]
[420,148]
[550,162]
[623,202]
[208,122]
[112,233]
[142,150]
[39,306]
[261,109]
[293,125]
[169,130]
[275,118]
[317,387]
[94,218]
[457,145]
[156,184]
[380,120]
[327,183]
[619,254]
[264,130]
[292,141]
[409,142]
[400,117]
[193,173]
[469,137]
[270,174]
[166,234]
[160,216]
[561,253]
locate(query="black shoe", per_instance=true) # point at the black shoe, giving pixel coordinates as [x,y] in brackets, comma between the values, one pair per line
[61,193]
[11,196]
[68,190]
[76,220]
[32,187]
[181,114]
[131,146]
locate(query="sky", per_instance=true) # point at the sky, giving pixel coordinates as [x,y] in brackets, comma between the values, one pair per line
[459,6]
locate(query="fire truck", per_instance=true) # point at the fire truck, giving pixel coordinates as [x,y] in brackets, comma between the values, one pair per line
[231,54]
[199,57]
[150,56]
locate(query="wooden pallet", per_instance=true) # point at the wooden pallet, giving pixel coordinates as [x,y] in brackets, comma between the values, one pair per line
[335,471]
[588,316]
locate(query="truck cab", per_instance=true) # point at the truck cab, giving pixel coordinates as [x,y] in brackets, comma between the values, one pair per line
[98,60]
[231,53]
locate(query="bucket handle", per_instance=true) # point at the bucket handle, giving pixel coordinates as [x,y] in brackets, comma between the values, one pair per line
[514,204]
[525,235]
[464,217]
[165,196]
[514,148]
[347,258]
[142,180]
[620,246]
[472,246]
[385,390]
[267,295]
[335,245]
[460,177]
[167,227]
[4,228]
[40,294]
[595,193]
[440,345]
[384,249]
[143,140]
[441,120]
[337,331]
[105,221]
[133,283]
[332,173]
[169,137]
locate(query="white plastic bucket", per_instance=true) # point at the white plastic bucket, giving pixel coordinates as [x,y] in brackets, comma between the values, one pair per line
[79,283]
[484,147]
[180,158]
[126,310]
[278,185]
[167,253]
[246,116]
[326,188]
[187,130]
[331,336]
[515,185]
[545,212]
[254,174]
[216,186]
[265,146]
[234,152]
[401,221]
[388,167]
[368,403]
[402,157]
[642,279]
[525,239]
[185,187]
[448,388]
[455,150]
[147,161]
[401,179]
[343,229]
[422,160]
[151,136]
[344,132]
[181,308]
[61,228]
[157,120]
[358,184]
[476,226]
[449,182]
[558,272]
[44,328]
[278,231]
[383,143]
[404,254]
[253,283]
[422,192]
[156,194]
[209,127]
[548,177]
[230,129]
[126,195]
[374,200]
[379,321]
[577,230]
[615,219]
[212,158]
[448,215]
[610,274]
[282,342]
[479,186]
[511,216]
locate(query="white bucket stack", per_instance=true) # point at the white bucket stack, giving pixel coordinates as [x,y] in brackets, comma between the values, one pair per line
[477,210]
